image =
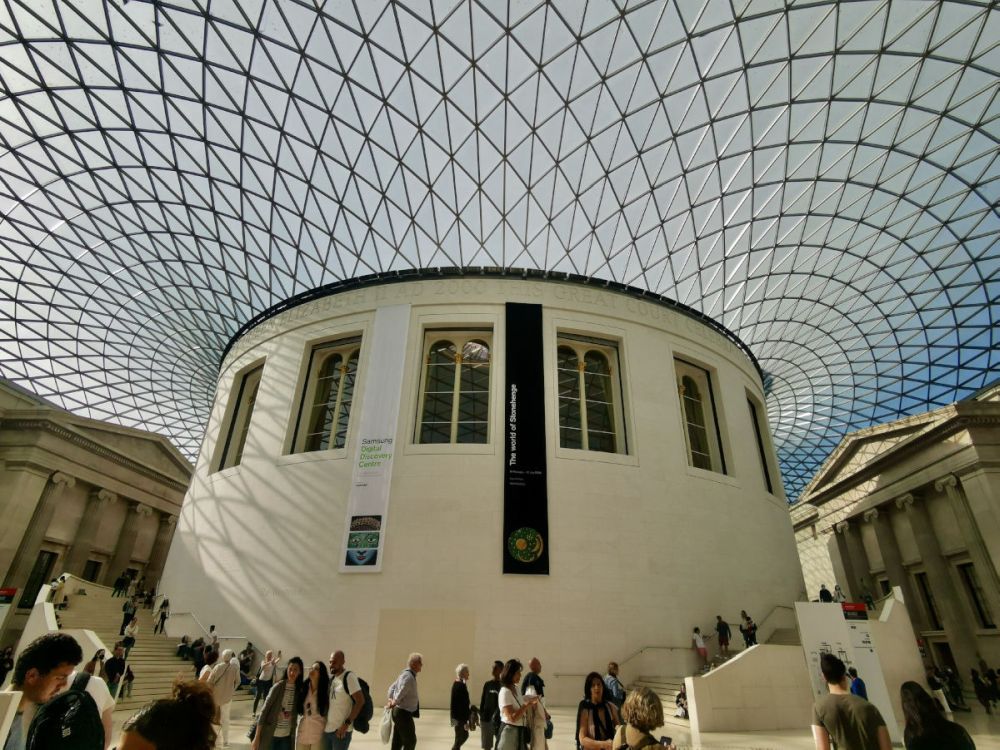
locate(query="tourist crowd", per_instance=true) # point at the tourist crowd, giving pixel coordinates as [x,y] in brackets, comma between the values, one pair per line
[321,706]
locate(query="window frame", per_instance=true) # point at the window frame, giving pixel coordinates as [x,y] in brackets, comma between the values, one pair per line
[237,416]
[610,349]
[459,336]
[975,595]
[717,454]
[347,345]
[759,424]
[927,599]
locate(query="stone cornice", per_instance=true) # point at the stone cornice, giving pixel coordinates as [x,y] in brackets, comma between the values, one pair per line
[92,446]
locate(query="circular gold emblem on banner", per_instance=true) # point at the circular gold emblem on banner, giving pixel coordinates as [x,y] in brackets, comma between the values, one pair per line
[525,545]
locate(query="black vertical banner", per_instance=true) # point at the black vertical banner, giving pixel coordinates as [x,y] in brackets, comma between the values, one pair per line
[525,487]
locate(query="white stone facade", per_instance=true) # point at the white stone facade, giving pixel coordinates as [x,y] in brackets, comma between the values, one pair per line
[643,546]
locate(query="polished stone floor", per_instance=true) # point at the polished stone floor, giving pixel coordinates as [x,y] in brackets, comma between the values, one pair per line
[433,731]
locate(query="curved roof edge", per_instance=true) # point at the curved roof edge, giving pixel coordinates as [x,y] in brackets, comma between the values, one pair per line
[427,274]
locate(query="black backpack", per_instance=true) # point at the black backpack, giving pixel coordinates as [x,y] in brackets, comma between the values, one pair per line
[363,721]
[70,721]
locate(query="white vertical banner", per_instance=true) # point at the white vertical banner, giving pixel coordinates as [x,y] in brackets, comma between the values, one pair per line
[824,629]
[368,501]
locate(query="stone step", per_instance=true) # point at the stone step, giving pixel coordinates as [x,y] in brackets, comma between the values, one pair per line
[785,637]
[153,659]
[667,688]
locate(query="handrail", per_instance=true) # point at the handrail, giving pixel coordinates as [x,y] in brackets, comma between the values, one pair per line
[642,650]
[194,617]
[774,609]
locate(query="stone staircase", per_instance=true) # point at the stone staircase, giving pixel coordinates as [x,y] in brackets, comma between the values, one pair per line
[785,637]
[667,688]
[153,658]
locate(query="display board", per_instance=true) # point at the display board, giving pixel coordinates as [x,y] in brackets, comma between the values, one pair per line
[829,628]
[525,488]
[368,501]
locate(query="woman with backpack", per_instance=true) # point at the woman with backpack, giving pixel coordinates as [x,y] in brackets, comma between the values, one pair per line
[642,713]
[596,717]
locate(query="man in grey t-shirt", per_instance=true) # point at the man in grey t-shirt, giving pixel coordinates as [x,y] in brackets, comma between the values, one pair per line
[852,723]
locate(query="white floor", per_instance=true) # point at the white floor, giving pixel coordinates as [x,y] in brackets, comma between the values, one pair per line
[433,731]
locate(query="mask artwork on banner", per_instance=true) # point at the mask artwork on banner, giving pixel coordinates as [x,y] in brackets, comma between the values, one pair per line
[363,540]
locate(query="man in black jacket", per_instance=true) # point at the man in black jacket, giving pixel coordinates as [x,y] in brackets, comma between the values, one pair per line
[114,668]
[489,709]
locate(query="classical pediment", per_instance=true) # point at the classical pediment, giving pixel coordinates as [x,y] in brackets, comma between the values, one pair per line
[859,449]
[152,451]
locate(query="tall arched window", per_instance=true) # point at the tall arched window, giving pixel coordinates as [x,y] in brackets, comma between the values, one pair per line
[455,396]
[325,408]
[239,422]
[588,382]
[701,431]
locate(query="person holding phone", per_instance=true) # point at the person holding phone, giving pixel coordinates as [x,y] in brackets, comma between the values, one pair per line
[513,708]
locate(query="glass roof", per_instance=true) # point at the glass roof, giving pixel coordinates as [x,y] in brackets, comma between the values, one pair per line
[821,178]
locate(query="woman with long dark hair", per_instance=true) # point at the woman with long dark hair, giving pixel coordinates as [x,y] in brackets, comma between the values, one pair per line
[280,715]
[596,717]
[315,707]
[513,708]
[926,728]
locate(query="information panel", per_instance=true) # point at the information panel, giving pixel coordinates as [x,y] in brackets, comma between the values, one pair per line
[525,489]
[368,502]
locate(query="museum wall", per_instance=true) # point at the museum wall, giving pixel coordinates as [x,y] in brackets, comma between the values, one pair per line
[643,546]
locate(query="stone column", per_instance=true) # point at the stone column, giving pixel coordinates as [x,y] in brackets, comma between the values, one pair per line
[973,542]
[76,558]
[27,551]
[157,558]
[126,541]
[22,485]
[893,559]
[950,609]
[852,553]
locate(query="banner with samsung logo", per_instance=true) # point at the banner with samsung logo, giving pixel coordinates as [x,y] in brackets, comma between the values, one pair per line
[368,501]
[525,491]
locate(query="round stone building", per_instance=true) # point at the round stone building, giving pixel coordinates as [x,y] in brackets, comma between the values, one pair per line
[484,466]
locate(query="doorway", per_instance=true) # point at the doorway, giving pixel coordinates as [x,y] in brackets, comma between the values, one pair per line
[92,570]
[943,657]
[39,577]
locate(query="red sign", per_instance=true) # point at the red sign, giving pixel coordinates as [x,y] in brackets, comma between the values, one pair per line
[7,596]
[854,610]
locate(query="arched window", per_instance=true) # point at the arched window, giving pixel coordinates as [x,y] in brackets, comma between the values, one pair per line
[239,423]
[587,377]
[701,432]
[325,408]
[456,388]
